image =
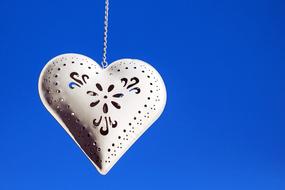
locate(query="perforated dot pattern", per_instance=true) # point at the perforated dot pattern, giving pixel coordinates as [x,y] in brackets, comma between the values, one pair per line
[104,110]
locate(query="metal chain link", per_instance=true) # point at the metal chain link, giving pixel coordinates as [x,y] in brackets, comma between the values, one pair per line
[104,62]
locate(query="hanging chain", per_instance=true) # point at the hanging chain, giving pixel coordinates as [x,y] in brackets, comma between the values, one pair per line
[104,62]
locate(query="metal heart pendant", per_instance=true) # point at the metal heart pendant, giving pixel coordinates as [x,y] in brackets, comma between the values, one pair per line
[104,110]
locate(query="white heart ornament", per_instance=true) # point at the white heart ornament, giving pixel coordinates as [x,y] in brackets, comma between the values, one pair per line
[104,110]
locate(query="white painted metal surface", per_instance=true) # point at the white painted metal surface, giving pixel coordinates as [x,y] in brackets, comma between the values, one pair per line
[104,110]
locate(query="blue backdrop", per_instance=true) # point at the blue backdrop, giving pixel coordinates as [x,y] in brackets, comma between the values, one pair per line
[223,64]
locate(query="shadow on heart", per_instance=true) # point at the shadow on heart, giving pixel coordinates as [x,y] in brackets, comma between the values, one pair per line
[80,134]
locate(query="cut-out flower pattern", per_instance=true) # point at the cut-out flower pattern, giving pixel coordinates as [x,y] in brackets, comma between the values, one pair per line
[105,96]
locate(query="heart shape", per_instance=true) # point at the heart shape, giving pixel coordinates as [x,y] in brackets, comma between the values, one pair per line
[104,110]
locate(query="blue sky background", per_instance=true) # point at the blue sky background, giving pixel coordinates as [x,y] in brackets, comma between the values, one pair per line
[223,63]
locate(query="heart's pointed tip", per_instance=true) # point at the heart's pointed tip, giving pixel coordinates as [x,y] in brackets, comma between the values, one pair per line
[103,171]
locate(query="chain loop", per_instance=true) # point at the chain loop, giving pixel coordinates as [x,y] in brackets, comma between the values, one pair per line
[104,62]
